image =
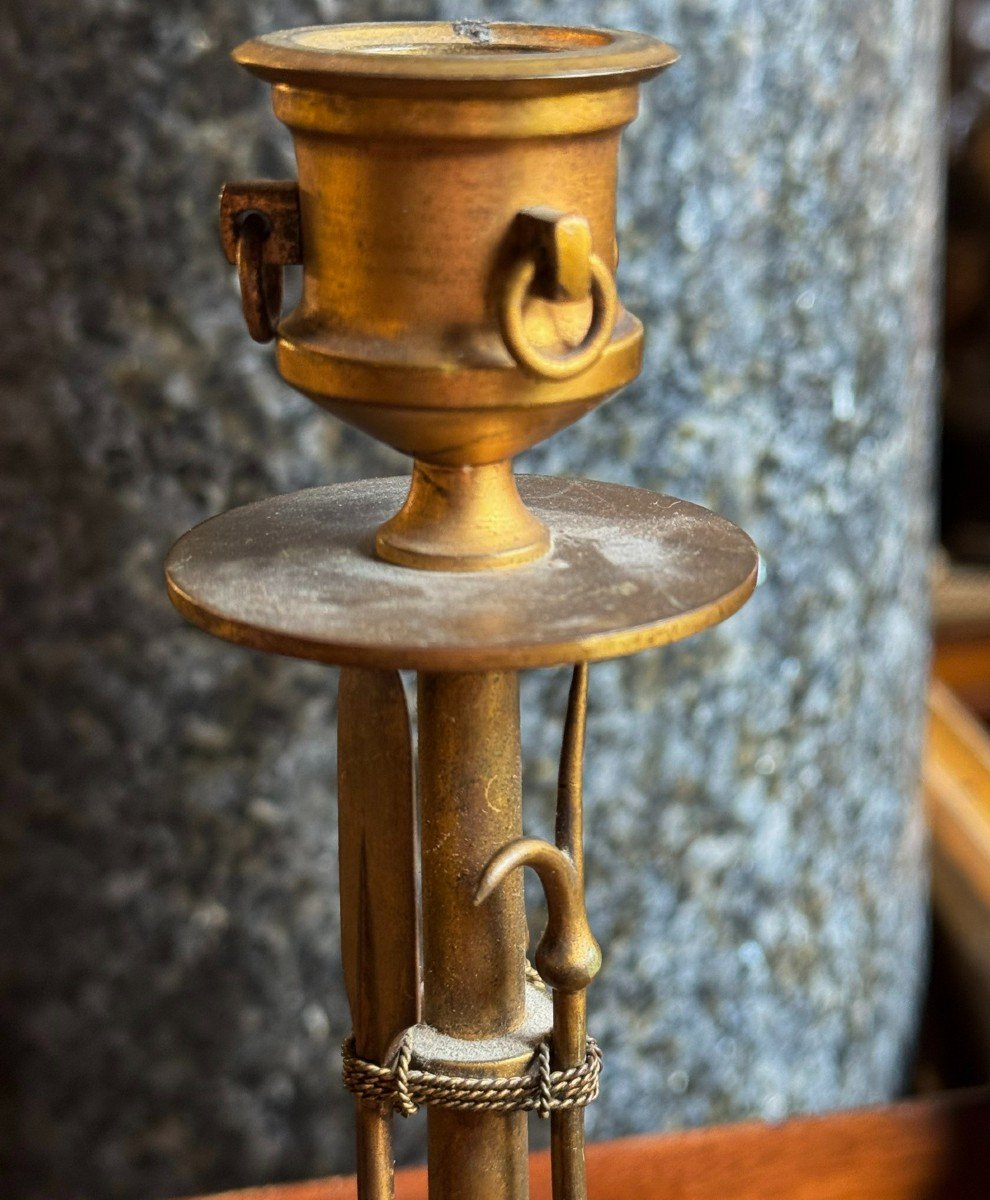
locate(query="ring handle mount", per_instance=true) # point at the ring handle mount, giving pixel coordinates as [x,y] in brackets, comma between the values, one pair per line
[260,231]
[555,261]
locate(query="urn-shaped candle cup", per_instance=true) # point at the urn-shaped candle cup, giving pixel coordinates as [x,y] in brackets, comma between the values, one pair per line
[455,221]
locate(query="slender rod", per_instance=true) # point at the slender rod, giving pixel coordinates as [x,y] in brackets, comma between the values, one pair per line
[570,1027]
[569,833]
[375,1165]
[473,955]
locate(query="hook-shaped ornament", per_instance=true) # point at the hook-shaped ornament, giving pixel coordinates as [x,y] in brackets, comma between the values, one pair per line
[567,955]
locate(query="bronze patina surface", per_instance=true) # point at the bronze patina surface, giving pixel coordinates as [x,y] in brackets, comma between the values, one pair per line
[455,221]
[379,885]
[494,57]
[474,979]
[298,575]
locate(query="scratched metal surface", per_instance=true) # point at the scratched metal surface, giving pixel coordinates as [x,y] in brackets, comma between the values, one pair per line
[297,574]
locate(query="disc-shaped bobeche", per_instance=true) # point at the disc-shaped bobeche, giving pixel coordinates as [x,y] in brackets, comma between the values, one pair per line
[298,575]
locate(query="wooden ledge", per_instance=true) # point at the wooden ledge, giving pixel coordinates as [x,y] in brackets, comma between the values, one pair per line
[933,1149]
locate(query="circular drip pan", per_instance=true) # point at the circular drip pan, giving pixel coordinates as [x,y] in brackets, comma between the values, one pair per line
[297,575]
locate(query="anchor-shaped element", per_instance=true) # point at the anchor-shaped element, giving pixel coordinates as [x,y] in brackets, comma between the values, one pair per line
[567,956]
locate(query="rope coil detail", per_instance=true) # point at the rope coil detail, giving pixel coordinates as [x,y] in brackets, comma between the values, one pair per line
[405,1088]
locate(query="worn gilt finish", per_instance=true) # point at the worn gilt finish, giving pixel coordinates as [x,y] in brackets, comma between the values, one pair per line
[457,209]
[454,216]
[379,927]
[567,957]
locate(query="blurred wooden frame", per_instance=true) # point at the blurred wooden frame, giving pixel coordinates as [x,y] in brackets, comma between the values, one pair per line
[957,796]
[957,793]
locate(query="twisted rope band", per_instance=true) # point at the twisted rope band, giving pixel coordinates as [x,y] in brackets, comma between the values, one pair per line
[405,1088]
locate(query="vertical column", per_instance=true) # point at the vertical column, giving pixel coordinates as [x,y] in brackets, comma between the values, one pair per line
[473,956]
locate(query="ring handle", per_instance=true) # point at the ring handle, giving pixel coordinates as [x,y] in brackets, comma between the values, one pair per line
[260,230]
[555,261]
[261,282]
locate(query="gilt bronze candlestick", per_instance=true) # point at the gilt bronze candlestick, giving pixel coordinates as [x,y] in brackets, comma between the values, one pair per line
[454,216]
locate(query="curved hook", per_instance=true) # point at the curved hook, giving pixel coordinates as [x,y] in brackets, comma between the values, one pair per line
[567,956]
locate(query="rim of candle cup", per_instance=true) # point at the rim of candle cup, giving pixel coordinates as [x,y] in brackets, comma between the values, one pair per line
[430,52]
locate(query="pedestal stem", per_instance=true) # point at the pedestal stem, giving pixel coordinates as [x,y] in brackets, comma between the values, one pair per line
[473,956]
[466,518]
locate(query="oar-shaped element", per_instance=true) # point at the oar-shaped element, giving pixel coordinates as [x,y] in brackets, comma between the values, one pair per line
[378,890]
[567,956]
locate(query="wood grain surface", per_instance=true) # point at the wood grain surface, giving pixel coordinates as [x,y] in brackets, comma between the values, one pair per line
[933,1149]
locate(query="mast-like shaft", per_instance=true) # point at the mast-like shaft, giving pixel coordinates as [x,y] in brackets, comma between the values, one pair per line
[570,1025]
[473,955]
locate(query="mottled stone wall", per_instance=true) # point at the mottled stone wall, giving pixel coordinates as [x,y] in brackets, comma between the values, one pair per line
[169,977]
